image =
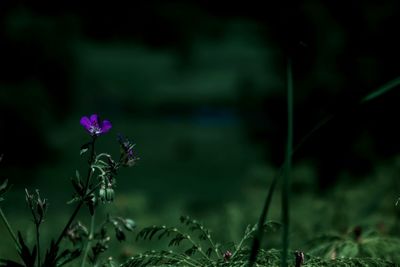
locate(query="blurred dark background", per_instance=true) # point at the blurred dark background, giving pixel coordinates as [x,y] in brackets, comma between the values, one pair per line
[200,87]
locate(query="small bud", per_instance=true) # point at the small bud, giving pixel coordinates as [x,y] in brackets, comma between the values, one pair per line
[91,203]
[109,196]
[119,234]
[128,156]
[299,258]
[129,224]
[227,255]
[37,205]
[102,194]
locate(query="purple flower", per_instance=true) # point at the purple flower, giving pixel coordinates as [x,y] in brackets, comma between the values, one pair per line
[93,126]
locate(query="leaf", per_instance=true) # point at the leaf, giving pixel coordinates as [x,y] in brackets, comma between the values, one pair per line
[25,253]
[9,263]
[128,224]
[51,255]
[78,187]
[119,234]
[84,148]
[73,200]
[176,240]
[4,188]
[67,256]
[191,251]
[91,203]
[382,90]
[149,232]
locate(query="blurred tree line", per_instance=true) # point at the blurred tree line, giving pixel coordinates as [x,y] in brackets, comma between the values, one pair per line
[209,62]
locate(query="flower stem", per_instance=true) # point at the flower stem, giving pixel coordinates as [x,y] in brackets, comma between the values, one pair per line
[71,219]
[38,244]
[89,240]
[10,231]
[91,159]
[82,201]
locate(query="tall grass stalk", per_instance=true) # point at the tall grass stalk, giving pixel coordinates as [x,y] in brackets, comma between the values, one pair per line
[9,229]
[287,168]
[385,88]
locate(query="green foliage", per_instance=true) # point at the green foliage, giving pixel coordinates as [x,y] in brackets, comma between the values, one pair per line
[270,258]
[356,245]
[193,245]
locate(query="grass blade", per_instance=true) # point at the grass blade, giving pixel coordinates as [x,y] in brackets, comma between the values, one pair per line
[287,167]
[258,236]
[381,90]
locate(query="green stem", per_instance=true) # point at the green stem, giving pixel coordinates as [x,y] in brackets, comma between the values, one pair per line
[10,231]
[82,201]
[246,236]
[258,236]
[288,163]
[38,244]
[71,219]
[91,159]
[89,240]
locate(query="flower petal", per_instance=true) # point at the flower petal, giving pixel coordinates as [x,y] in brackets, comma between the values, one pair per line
[85,122]
[94,119]
[105,126]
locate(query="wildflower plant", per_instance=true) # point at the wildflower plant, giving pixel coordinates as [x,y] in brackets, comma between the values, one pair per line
[94,189]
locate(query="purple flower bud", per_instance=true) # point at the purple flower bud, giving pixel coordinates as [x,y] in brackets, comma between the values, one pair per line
[93,126]
[128,156]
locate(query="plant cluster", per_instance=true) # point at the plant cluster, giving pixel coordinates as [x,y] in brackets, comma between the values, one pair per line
[77,240]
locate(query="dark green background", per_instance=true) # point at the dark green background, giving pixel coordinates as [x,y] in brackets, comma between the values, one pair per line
[200,88]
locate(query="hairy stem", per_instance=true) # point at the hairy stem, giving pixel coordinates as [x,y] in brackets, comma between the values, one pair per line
[92,219]
[9,229]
